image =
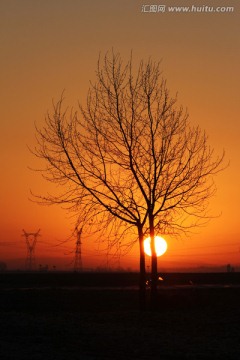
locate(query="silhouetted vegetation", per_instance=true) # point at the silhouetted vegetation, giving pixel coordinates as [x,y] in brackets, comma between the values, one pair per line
[130,163]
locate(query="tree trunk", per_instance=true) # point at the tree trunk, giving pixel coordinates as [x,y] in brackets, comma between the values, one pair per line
[154,274]
[142,279]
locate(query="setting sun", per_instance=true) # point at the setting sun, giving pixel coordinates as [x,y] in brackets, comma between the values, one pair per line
[160,246]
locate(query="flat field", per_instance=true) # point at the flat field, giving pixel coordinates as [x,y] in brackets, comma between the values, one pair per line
[62,318]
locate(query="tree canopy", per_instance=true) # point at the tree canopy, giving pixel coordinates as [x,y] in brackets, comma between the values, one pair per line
[129,158]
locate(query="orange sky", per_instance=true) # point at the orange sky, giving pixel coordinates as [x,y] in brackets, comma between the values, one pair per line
[51,45]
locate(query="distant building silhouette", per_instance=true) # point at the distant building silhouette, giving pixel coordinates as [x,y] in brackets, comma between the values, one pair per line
[230,268]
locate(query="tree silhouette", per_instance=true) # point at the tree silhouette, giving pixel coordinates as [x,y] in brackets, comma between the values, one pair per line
[129,158]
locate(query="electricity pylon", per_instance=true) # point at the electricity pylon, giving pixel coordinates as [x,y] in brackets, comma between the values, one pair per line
[31,239]
[78,252]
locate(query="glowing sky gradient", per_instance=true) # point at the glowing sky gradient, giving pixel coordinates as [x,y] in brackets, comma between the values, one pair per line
[51,45]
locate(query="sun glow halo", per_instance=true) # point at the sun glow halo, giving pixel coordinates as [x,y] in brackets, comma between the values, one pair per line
[160,246]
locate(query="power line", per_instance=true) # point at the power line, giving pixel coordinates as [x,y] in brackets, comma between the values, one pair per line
[31,239]
[78,252]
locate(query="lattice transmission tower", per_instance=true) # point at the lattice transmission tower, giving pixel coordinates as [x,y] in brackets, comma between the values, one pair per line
[78,251]
[31,239]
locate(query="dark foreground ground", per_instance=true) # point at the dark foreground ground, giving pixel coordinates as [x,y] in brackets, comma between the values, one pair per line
[82,322]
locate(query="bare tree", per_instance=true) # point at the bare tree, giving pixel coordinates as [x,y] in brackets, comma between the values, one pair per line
[131,156]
